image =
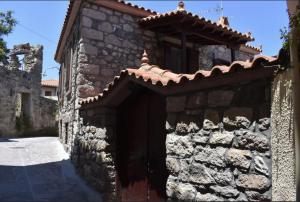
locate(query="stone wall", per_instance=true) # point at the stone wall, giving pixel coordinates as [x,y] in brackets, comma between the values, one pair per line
[110,42]
[102,43]
[218,144]
[20,86]
[94,151]
[208,53]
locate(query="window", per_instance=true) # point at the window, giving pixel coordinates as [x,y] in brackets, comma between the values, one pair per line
[173,59]
[48,93]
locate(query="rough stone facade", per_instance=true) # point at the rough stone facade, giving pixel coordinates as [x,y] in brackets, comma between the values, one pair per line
[94,151]
[103,42]
[22,108]
[218,145]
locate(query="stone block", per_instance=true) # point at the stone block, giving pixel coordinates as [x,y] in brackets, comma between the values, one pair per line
[253,182]
[128,28]
[114,19]
[221,138]
[105,27]
[182,128]
[209,125]
[253,141]
[193,128]
[220,98]
[199,174]
[88,69]
[88,49]
[173,165]
[84,91]
[233,112]
[239,158]
[180,146]
[237,123]
[256,196]
[184,192]
[263,124]
[176,104]
[101,145]
[260,166]
[226,191]
[207,197]
[92,34]
[201,137]
[81,80]
[97,15]
[112,39]
[222,177]
[215,156]
[86,21]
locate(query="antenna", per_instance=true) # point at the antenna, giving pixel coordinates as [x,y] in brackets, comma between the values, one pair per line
[218,9]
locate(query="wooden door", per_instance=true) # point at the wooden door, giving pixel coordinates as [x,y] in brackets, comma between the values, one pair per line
[141,149]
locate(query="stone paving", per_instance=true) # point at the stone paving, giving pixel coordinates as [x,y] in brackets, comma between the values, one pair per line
[39,170]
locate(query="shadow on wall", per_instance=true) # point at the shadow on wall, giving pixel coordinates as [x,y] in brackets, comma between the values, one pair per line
[55,181]
[45,132]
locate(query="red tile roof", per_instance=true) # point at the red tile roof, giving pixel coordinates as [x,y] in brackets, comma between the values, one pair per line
[50,83]
[259,49]
[199,19]
[158,77]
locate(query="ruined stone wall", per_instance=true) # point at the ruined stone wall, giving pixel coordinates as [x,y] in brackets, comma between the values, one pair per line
[218,144]
[21,80]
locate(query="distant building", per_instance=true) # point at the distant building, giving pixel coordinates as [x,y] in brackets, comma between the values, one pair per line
[23,111]
[49,89]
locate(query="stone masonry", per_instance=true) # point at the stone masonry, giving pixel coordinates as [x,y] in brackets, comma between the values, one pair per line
[218,145]
[22,108]
[103,42]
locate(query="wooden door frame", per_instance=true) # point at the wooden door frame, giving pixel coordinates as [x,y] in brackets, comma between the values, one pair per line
[123,113]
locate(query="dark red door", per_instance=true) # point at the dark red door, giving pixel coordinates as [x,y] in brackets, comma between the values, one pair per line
[141,148]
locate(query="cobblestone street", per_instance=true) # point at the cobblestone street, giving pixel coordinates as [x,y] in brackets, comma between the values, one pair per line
[38,170]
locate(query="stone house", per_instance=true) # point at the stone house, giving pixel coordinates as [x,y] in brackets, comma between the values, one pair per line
[50,89]
[194,126]
[23,110]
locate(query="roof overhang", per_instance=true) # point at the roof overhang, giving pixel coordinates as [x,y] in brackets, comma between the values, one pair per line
[167,83]
[197,29]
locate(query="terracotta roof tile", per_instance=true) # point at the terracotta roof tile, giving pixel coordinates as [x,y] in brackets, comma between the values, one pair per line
[158,77]
[198,18]
[50,83]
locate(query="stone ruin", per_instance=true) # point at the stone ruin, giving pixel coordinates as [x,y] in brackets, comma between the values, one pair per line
[22,109]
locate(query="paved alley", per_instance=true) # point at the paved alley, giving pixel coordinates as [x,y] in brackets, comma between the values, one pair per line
[39,170]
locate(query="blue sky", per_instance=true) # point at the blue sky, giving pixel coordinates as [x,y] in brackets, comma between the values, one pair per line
[40,22]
